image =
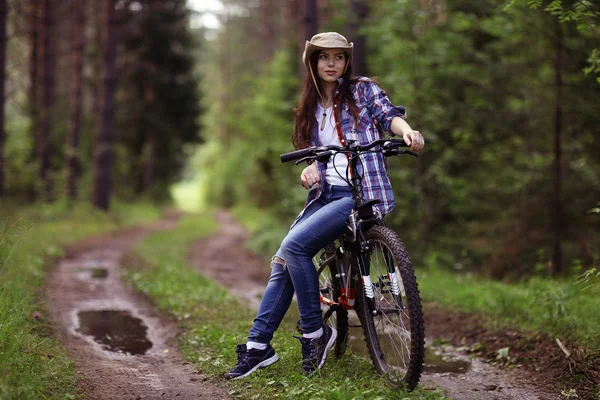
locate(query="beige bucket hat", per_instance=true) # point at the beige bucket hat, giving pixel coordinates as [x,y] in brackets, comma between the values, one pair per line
[326,40]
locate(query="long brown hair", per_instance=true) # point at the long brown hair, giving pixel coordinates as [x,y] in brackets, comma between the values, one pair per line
[305,112]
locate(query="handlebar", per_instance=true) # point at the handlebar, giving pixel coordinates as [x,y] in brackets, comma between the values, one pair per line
[390,147]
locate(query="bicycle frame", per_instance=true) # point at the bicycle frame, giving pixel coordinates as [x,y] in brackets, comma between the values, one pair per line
[354,244]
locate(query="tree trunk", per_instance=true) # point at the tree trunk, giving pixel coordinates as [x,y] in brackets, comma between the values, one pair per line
[289,31]
[34,10]
[267,28]
[72,157]
[46,73]
[150,166]
[557,184]
[309,23]
[359,11]
[104,148]
[3,15]
[310,19]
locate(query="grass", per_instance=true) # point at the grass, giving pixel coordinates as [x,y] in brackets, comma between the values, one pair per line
[558,308]
[214,322]
[33,364]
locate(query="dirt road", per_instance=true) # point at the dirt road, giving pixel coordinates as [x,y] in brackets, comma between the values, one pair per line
[123,348]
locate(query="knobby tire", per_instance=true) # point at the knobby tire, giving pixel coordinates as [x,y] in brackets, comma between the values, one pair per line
[383,332]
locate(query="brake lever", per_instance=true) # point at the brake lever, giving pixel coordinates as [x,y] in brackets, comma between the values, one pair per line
[397,152]
[412,153]
[307,159]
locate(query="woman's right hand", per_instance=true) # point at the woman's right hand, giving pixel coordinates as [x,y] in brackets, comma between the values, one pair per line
[310,175]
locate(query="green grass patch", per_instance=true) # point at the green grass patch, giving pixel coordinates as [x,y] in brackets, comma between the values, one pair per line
[558,308]
[214,322]
[33,364]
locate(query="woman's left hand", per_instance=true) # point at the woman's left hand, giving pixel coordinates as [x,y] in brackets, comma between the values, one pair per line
[414,139]
[309,176]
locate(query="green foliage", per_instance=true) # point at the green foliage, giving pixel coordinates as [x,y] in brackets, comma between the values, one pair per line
[485,110]
[33,364]
[478,198]
[584,13]
[594,64]
[590,280]
[557,308]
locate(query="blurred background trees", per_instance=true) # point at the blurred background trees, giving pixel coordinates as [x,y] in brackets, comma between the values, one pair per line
[102,98]
[122,99]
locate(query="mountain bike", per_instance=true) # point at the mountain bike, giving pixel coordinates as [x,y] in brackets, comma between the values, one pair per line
[368,270]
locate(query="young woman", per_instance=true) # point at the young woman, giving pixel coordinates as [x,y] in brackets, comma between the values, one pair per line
[332,106]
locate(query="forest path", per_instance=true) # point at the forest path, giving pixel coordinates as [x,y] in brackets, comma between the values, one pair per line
[223,256]
[123,348]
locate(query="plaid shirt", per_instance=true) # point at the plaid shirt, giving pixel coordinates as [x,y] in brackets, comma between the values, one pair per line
[375,110]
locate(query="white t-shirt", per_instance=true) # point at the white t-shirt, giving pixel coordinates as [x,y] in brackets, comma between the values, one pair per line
[328,136]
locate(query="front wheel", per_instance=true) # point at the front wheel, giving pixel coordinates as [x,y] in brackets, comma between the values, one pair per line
[393,320]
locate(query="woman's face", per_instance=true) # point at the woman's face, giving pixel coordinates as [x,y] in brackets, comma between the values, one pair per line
[331,64]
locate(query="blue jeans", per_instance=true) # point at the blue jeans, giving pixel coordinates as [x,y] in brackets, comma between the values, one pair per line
[322,222]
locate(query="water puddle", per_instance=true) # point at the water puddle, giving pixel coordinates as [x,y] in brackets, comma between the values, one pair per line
[436,361]
[115,330]
[99,273]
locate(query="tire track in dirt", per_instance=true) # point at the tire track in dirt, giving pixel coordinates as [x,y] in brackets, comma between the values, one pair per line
[87,282]
[224,258]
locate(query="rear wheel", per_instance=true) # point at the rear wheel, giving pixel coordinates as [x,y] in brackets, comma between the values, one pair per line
[393,320]
[333,315]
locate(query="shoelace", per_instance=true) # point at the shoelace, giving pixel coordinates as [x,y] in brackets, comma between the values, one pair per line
[242,356]
[308,350]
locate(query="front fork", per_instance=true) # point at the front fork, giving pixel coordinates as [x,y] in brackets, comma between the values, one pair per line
[387,283]
[367,284]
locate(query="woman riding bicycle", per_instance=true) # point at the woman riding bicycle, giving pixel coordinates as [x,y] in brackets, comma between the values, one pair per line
[334,107]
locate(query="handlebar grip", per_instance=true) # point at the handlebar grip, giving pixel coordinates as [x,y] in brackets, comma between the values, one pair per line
[399,142]
[295,155]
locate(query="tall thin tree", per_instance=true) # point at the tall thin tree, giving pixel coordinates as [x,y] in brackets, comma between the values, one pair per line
[46,72]
[72,154]
[267,28]
[32,90]
[359,11]
[310,18]
[310,24]
[3,15]
[104,147]
[557,212]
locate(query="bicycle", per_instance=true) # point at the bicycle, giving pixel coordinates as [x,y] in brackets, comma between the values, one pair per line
[368,270]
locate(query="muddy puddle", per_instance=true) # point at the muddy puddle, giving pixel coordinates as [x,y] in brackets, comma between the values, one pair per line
[438,359]
[115,331]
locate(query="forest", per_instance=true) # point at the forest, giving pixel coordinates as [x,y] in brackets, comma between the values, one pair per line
[111,100]
[120,106]
[505,94]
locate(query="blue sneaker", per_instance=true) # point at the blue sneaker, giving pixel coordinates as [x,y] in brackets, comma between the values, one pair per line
[314,351]
[251,360]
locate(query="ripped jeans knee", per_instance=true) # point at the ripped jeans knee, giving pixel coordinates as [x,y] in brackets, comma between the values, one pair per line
[278,260]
